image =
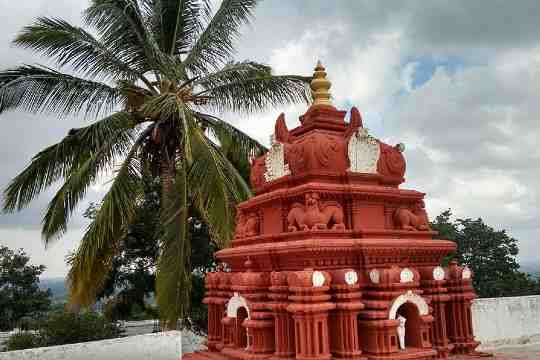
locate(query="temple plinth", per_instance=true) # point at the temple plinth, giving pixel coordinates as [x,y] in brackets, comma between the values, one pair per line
[332,258]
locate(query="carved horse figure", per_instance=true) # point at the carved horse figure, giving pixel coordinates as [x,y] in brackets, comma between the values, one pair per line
[315,215]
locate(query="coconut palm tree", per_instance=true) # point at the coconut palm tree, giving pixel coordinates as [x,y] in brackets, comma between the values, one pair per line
[151,75]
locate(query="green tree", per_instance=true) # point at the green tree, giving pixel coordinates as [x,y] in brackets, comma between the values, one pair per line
[19,288]
[490,253]
[159,70]
[131,277]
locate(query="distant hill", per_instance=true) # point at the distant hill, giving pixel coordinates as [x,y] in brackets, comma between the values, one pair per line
[532,268]
[57,286]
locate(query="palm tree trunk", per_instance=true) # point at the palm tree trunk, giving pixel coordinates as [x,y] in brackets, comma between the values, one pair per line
[167,176]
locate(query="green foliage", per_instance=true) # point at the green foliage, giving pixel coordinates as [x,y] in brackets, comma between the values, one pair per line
[61,328]
[23,340]
[70,328]
[19,288]
[490,253]
[166,65]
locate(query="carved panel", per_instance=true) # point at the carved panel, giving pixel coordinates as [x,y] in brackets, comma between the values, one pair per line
[247,225]
[315,214]
[275,162]
[364,152]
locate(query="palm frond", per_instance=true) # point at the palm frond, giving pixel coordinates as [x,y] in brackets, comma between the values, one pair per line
[179,21]
[215,45]
[173,277]
[121,25]
[257,93]
[64,158]
[93,258]
[77,183]
[40,89]
[230,136]
[73,46]
[216,186]
[233,72]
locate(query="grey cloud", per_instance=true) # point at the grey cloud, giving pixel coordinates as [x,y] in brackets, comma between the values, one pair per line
[488,170]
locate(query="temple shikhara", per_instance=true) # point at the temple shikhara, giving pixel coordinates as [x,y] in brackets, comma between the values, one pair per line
[331,258]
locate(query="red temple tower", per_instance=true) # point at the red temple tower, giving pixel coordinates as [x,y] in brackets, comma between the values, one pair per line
[331,259]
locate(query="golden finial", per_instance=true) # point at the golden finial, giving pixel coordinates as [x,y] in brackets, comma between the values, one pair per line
[320,86]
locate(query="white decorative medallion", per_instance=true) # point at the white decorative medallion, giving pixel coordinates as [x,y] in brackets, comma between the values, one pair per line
[374,276]
[438,273]
[275,161]
[466,273]
[406,276]
[351,278]
[364,152]
[318,279]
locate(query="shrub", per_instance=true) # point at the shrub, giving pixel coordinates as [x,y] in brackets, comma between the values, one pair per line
[69,328]
[23,340]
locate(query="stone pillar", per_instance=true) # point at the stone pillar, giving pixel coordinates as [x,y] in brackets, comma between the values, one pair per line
[215,311]
[459,327]
[345,342]
[283,321]
[433,285]
[229,324]
[310,306]
[223,294]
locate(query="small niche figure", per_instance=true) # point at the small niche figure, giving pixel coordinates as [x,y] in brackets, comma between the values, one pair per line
[401,331]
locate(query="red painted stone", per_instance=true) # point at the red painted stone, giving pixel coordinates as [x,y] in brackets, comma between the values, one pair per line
[327,260]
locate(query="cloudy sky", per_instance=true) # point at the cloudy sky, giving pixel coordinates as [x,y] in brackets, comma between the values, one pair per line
[457,81]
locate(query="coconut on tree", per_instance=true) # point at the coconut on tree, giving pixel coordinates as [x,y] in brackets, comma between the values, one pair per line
[150,76]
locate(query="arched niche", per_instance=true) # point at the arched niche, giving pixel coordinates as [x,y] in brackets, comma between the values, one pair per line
[235,303]
[412,307]
[421,304]
[238,309]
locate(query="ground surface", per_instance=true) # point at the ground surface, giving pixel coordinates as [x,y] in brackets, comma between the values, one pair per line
[521,352]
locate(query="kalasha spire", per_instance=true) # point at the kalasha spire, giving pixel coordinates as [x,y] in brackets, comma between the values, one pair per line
[320,87]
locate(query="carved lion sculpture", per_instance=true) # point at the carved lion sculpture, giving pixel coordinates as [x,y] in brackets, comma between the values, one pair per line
[246,225]
[412,220]
[315,215]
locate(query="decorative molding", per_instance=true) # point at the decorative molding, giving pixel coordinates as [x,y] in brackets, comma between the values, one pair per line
[275,161]
[235,303]
[364,152]
[411,297]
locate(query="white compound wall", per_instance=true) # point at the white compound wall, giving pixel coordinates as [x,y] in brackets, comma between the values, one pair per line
[159,346]
[511,320]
